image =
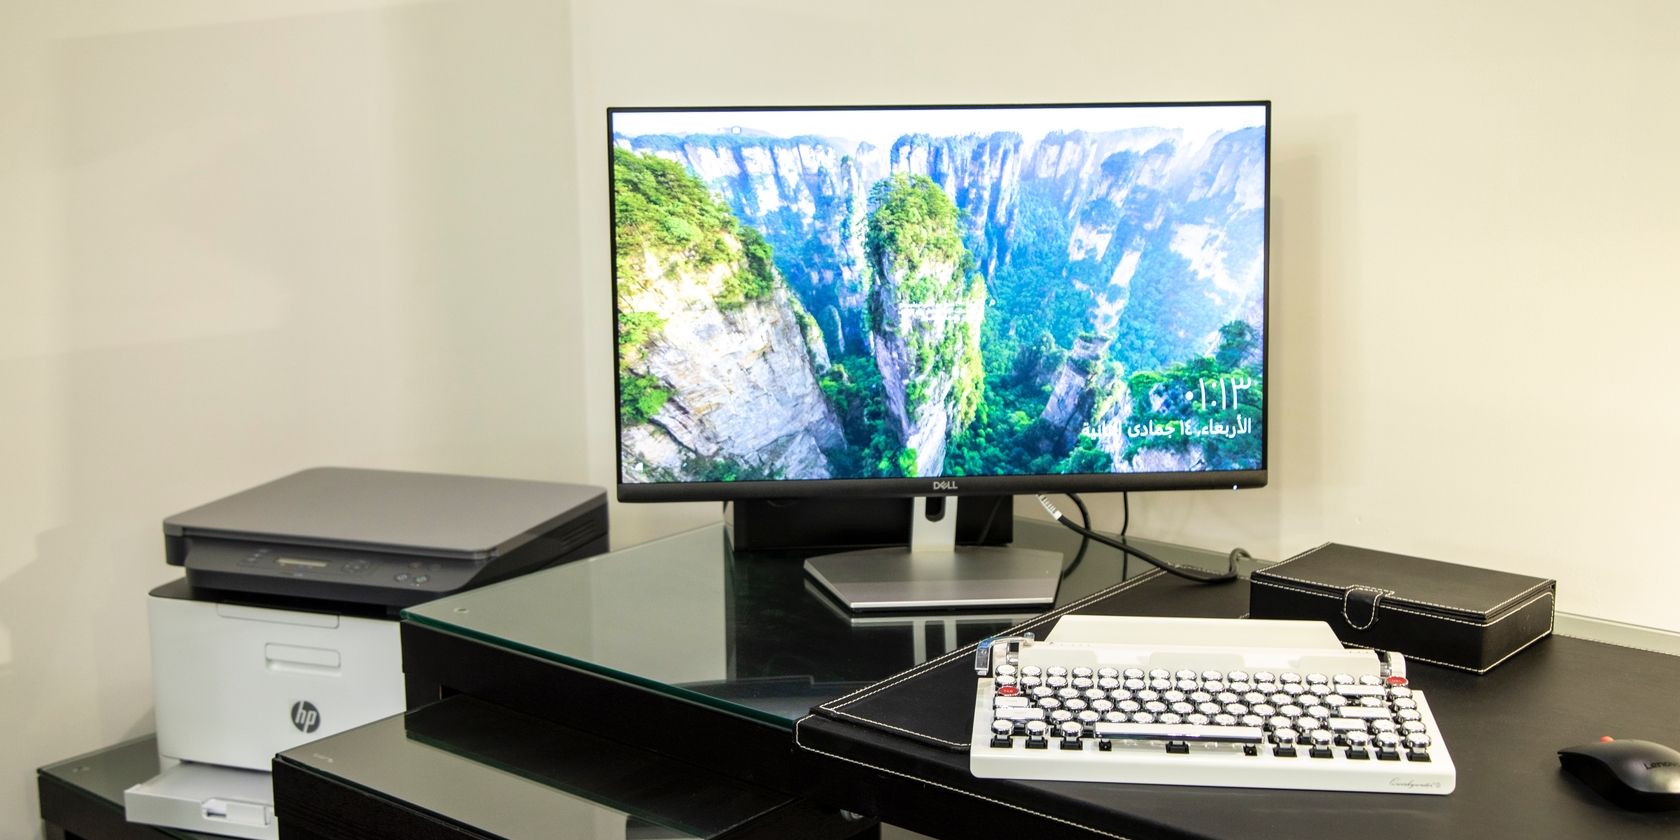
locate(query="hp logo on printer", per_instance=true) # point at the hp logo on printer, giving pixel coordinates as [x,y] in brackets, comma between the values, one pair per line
[305,716]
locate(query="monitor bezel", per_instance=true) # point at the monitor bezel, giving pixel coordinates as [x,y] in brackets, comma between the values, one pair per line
[713,491]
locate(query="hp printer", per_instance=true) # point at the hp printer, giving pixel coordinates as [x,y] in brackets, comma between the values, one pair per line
[284,628]
[385,538]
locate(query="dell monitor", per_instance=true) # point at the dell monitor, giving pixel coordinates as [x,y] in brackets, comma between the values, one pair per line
[848,302]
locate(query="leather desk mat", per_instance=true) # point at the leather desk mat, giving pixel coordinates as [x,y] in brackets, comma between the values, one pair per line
[898,749]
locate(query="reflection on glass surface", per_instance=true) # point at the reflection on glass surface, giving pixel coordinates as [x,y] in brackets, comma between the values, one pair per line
[105,774]
[511,775]
[933,633]
[652,612]
[746,632]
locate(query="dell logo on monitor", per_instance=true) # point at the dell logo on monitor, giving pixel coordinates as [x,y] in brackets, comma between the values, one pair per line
[305,716]
[944,485]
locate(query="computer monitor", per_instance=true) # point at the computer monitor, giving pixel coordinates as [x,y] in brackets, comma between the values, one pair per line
[938,301]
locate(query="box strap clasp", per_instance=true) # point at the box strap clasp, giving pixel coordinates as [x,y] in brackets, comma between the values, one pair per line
[1359,605]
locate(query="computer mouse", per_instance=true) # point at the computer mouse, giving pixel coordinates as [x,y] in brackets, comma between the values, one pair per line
[1638,775]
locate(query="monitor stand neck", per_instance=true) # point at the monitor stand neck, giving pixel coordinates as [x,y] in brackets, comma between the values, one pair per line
[934,573]
[933,523]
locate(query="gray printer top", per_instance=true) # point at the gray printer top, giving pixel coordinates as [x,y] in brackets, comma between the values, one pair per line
[428,513]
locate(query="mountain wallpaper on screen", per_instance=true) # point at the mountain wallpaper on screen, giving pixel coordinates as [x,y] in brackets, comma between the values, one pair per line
[808,307]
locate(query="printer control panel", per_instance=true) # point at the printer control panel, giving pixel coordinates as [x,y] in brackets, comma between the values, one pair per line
[336,567]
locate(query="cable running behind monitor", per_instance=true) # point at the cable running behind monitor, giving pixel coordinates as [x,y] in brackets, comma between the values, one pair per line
[838,303]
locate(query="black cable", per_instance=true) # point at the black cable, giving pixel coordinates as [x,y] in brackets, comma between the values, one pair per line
[1084,541]
[1084,514]
[1187,573]
[1125,522]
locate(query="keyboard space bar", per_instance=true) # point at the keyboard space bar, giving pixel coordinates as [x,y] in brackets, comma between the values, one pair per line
[1181,732]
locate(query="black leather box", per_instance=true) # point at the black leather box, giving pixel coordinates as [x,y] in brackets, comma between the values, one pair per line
[1428,610]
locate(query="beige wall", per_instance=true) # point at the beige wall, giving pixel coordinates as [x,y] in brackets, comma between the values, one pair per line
[1474,280]
[239,239]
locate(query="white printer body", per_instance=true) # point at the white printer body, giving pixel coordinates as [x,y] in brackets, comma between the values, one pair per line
[285,629]
[237,683]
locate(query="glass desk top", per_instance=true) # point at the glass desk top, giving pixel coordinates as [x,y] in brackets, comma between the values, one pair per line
[100,778]
[745,632]
[509,775]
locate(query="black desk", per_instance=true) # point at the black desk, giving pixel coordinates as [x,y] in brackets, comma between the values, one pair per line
[461,769]
[82,797]
[727,650]
[1503,729]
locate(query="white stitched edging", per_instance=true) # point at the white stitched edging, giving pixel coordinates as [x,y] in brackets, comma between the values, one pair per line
[833,706]
[1520,648]
[1272,570]
[1551,624]
[1391,606]
[1375,600]
[902,775]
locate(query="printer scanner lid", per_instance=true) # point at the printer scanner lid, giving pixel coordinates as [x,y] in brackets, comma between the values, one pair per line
[421,513]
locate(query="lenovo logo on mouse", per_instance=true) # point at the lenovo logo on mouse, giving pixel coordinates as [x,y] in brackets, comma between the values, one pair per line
[1652,765]
[944,485]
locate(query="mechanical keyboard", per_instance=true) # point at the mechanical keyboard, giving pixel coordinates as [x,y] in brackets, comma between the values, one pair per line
[1218,702]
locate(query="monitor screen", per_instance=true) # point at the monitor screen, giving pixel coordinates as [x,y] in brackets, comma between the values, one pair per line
[939,300]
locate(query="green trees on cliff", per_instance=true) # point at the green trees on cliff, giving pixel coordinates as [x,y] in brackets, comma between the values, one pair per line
[914,237]
[985,350]
[664,214]
[660,209]
[1219,396]
[912,222]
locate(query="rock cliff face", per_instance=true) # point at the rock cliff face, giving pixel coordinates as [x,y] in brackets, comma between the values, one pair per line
[1111,431]
[925,397]
[1075,160]
[925,312]
[1113,187]
[748,396]
[1138,226]
[805,195]
[717,377]
[1117,234]
[981,174]
[1071,393]
[1158,222]
[1199,245]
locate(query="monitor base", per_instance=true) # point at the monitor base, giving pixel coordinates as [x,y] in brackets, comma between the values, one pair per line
[956,578]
